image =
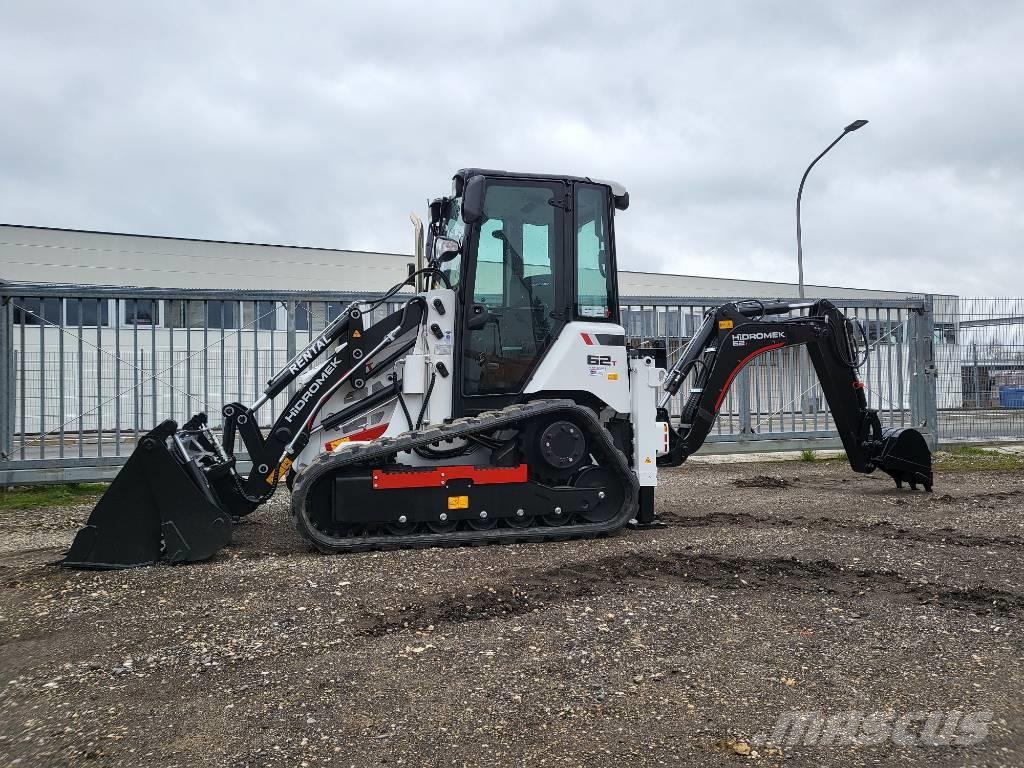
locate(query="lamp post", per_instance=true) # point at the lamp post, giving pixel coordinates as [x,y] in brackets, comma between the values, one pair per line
[856,124]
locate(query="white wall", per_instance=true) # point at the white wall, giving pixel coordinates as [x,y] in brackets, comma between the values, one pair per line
[39,255]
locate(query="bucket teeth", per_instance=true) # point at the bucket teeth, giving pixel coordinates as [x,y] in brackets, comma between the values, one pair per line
[159,508]
[903,454]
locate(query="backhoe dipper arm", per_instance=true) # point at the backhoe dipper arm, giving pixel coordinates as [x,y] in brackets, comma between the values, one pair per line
[734,334]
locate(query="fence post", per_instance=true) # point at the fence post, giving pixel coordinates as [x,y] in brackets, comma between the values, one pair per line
[6,378]
[291,349]
[743,401]
[923,373]
[976,379]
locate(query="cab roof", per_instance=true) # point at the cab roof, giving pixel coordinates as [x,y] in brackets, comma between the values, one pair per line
[619,193]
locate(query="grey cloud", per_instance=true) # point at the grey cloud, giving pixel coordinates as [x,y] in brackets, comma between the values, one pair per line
[325,123]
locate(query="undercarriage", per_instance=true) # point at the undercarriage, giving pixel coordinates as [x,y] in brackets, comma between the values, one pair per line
[560,476]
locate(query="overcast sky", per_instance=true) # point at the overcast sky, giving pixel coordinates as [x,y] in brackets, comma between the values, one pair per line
[320,124]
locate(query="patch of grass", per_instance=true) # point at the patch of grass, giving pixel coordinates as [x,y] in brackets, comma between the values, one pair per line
[970,450]
[808,454]
[967,458]
[50,495]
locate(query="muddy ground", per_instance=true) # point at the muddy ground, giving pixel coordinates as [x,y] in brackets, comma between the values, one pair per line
[825,592]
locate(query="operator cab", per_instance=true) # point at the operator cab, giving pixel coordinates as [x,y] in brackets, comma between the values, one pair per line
[526,254]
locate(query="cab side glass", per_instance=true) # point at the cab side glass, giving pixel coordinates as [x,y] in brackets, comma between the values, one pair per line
[594,278]
[517,249]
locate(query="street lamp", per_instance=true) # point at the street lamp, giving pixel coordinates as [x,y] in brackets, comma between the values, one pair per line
[800,192]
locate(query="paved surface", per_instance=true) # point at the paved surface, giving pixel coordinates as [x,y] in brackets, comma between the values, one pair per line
[776,588]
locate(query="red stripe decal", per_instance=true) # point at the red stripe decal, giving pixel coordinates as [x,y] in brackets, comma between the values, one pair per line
[367,434]
[739,367]
[587,340]
[437,477]
[370,434]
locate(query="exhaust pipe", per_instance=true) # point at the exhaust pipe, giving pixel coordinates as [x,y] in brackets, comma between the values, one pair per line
[160,508]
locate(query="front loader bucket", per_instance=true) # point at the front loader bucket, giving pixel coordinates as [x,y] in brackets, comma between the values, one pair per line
[157,508]
[904,455]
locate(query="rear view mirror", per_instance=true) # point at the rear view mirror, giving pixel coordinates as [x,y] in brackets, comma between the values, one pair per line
[436,210]
[473,200]
[445,249]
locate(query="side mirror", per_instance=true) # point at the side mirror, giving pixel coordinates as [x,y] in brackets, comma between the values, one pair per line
[436,210]
[473,200]
[445,249]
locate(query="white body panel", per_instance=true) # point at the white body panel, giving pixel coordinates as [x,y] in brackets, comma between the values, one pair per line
[415,370]
[579,361]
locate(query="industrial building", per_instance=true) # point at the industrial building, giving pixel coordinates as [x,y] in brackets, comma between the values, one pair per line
[67,256]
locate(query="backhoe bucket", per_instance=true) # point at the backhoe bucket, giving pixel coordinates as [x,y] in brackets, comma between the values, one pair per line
[159,508]
[904,455]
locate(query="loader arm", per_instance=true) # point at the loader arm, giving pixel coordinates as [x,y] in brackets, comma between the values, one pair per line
[353,359]
[734,334]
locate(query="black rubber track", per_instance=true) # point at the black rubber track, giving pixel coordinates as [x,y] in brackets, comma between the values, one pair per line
[380,450]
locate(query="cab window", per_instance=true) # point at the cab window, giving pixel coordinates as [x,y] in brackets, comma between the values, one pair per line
[514,287]
[595,294]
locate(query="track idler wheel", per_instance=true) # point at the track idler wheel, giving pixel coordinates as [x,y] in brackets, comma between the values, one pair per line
[599,477]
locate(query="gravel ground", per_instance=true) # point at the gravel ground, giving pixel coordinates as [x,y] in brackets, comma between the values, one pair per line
[775,588]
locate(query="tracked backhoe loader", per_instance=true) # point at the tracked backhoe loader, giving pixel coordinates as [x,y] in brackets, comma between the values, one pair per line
[500,403]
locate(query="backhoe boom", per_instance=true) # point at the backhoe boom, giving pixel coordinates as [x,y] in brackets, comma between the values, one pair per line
[732,335]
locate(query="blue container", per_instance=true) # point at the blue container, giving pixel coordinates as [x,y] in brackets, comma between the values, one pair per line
[1011,397]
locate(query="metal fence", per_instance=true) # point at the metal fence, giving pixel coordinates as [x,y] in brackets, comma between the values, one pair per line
[979,351]
[85,370]
[776,402]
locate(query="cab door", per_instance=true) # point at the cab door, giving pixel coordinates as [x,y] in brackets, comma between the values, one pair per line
[515,298]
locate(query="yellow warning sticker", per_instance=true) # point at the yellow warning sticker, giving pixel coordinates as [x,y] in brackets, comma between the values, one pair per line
[358,335]
[647,460]
[279,472]
[724,325]
[613,377]
[458,502]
